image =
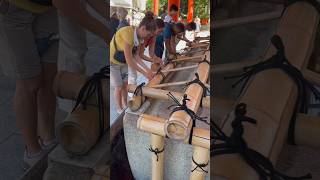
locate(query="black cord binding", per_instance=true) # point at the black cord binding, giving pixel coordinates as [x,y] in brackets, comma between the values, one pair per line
[205,90]
[197,81]
[138,91]
[235,144]
[200,166]
[279,61]
[204,60]
[183,107]
[94,85]
[156,151]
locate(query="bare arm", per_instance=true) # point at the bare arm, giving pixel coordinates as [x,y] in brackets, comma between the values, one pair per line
[141,54]
[151,48]
[79,14]
[130,60]
[153,56]
[142,64]
[173,45]
[169,46]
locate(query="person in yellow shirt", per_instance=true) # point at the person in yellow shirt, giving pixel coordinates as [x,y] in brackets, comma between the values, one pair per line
[125,59]
[153,43]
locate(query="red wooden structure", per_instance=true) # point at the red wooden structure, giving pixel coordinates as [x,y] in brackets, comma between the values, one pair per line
[177,3]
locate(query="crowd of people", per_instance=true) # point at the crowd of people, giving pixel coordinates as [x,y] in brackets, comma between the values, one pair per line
[128,45]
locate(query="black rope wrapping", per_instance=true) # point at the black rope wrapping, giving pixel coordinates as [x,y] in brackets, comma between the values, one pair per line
[204,60]
[197,81]
[235,144]
[279,61]
[138,91]
[205,90]
[183,107]
[200,166]
[156,151]
[94,85]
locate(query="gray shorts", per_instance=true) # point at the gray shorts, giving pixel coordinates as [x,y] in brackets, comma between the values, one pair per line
[20,33]
[118,75]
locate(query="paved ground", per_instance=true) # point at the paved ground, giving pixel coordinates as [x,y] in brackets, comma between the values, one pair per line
[11,144]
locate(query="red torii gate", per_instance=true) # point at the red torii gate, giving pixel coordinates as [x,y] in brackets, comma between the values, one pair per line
[177,3]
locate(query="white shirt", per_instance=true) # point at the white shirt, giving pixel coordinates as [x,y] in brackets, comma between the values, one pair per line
[168,19]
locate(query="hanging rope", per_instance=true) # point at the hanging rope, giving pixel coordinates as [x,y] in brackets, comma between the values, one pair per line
[279,61]
[94,85]
[235,144]
[200,166]
[156,151]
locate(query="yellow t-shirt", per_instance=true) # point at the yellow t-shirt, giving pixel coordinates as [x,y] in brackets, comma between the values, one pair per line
[123,36]
[30,6]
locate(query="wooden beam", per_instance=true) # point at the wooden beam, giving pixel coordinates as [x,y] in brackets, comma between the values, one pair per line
[162,94]
[186,53]
[80,131]
[231,67]
[180,68]
[198,45]
[135,103]
[200,139]
[308,131]
[248,19]
[67,85]
[311,76]
[179,124]
[192,59]
[179,83]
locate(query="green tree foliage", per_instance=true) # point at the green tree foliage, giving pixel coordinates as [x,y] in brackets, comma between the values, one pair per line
[163,6]
[201,7]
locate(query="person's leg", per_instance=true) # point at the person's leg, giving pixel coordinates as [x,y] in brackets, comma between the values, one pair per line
[47,104]
[124,94]
[116,82]
[118,97]
[44,26]
[25,105]
[20,60]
